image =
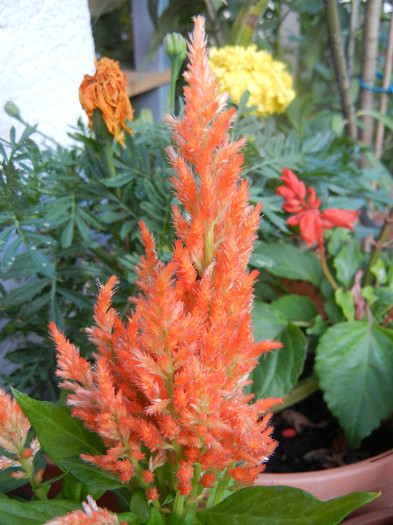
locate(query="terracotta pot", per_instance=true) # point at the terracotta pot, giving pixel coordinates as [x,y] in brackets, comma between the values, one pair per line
[378,517]
[371,475]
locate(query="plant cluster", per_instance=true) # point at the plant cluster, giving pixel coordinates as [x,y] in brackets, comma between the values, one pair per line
[160,416]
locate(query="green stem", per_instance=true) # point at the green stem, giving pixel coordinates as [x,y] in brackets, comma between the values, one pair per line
[37,489]
[221,488]
[208,247]
[325,269]
[301,391]
[376,253]
[244,26]
[178,506]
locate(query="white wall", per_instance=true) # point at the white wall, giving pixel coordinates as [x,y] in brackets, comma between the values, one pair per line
[46,46]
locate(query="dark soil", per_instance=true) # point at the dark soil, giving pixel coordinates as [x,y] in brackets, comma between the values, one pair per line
[310,438]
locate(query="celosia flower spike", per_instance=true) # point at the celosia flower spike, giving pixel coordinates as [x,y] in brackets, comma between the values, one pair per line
[167,383]
[106,90]
[90,515]
[307,214]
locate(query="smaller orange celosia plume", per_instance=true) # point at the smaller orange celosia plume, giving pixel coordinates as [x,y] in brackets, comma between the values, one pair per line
[90,515]
[106,90]
[14,428]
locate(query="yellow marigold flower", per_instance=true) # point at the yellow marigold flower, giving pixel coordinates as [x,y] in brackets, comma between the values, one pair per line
[106,90]
[245,68]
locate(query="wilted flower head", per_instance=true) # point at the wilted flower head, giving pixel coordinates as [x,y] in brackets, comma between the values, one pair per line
[245,68]
[106,90]
[90,515]
[306,210]
[168,381]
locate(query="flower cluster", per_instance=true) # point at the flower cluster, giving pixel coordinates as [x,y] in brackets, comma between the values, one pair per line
[166,390]
[245,68]
[306,212]
[106,90]
[14,429]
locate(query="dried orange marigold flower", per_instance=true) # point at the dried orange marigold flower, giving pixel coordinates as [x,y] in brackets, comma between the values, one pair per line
[106,90]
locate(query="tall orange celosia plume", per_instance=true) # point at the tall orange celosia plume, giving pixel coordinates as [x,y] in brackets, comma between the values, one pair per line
[168,382]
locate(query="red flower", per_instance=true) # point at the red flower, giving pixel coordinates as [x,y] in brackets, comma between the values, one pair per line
[307,214]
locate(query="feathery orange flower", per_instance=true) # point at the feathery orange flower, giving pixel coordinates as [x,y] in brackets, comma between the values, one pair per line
[168,381]
[90,515]
[106,90]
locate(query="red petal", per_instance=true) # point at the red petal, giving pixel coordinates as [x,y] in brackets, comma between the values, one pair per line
[311,227]
[337,217]
[294,183]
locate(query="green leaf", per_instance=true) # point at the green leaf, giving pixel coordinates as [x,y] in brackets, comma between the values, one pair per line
[67,234]
[25,292]
[267,321]
[139,505]
[288,262]
[61,436]
[13,512]
[118,180]
[82,227]
[90,474]
[281,506]
[41,262]
[346,263]
[278,371]
[296,307]
[8,257]
[354,362]
[388,121]
[344,299]
[155,518]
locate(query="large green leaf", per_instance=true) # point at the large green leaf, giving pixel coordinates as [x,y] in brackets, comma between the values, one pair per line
[279,370]
[279,506]
[287,261]
[267,321]
[61,436]
[90,475]
[296,307]
[354,362]
[14,512]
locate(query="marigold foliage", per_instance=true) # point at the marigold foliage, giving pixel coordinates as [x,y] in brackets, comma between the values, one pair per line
[167,384]
[106,90]
[245,68]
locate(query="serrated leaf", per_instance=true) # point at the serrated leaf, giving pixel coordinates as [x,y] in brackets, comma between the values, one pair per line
[296,307]
[67,234]
[41,262]
[344,299]
[118,180]
[9,255]
[346,263]
[354,363]
[25,292]
[288,262]
[278,371]
[61,436]
[281,506]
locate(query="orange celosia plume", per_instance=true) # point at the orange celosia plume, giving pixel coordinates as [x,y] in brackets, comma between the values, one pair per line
[106,90]
[171,377]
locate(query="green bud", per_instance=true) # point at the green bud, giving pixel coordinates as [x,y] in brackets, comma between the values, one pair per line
[11,109]
[175,45]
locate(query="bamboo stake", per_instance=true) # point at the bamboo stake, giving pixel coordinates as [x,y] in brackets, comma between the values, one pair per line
[369,67]
[340,66]
[383,101]
[353,24]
